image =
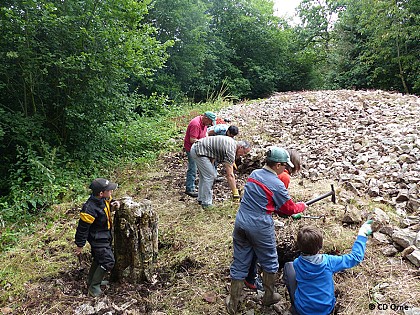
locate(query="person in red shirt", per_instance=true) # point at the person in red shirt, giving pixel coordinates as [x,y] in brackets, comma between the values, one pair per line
[197,129]
[288,171]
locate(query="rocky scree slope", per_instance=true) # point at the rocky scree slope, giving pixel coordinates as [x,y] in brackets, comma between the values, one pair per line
[368,141]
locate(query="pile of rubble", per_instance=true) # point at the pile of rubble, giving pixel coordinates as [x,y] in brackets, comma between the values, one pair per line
[366,141]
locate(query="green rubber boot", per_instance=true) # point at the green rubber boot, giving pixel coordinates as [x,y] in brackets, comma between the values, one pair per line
[270,296]
[232,300]
[95,284]
[91,272]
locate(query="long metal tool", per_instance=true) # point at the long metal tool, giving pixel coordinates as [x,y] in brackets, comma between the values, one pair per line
[331,193]
[313,217]
[299,216]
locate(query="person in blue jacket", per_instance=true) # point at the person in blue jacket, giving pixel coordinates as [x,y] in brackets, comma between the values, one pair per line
[309,278]
[223,130]
[253,234]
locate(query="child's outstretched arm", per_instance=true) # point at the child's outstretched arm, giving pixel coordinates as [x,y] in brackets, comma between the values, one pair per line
[357,254]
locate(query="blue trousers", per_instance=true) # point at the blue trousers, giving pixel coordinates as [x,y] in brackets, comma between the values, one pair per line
[249,239]
[289,277]
[191,173]
[252,273]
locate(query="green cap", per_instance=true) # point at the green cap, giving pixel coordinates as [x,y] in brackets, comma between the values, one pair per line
[277,154]
[211,116]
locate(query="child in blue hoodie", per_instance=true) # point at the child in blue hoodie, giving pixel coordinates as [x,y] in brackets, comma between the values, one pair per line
[309,278]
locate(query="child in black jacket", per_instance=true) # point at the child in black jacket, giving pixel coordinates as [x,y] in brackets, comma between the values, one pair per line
[95,226]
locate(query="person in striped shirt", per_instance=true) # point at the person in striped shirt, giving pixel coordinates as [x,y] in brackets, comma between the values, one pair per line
[220,149]
[222,130]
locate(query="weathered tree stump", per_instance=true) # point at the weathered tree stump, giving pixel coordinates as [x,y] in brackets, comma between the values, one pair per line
[135,241]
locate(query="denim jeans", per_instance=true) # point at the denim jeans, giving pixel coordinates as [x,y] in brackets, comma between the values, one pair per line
[191,173]
[206,177]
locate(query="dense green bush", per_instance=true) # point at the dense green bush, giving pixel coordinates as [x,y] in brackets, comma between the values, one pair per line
[33,182]
[64,82]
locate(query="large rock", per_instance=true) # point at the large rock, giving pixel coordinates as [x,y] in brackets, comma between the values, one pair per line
[379,217]
[389,251]
[404,237]
[352,215]
[412,253]
[381,238]
[412,311]
[413,203]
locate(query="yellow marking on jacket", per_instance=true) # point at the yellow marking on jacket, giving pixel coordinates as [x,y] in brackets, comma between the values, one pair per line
[86,217]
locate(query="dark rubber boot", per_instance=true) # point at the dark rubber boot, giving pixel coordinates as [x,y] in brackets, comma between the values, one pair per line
[91,272]
[270,296]
[95,285]
[232,300]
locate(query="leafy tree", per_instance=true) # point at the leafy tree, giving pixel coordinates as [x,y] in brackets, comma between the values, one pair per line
[377,45]
[315,35]
[395,47]
[234,48]
[262,47]
[186,24]
[63,81]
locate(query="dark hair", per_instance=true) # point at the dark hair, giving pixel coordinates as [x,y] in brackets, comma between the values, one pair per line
[270,163]
[295,159]
[233,130]
[309,240]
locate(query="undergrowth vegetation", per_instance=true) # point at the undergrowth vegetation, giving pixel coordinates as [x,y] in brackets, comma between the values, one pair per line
[45,175]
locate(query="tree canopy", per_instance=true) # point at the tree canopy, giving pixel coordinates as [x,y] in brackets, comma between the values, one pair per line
[363,44]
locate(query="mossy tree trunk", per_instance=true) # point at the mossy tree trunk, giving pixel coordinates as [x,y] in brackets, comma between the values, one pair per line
[135,241]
